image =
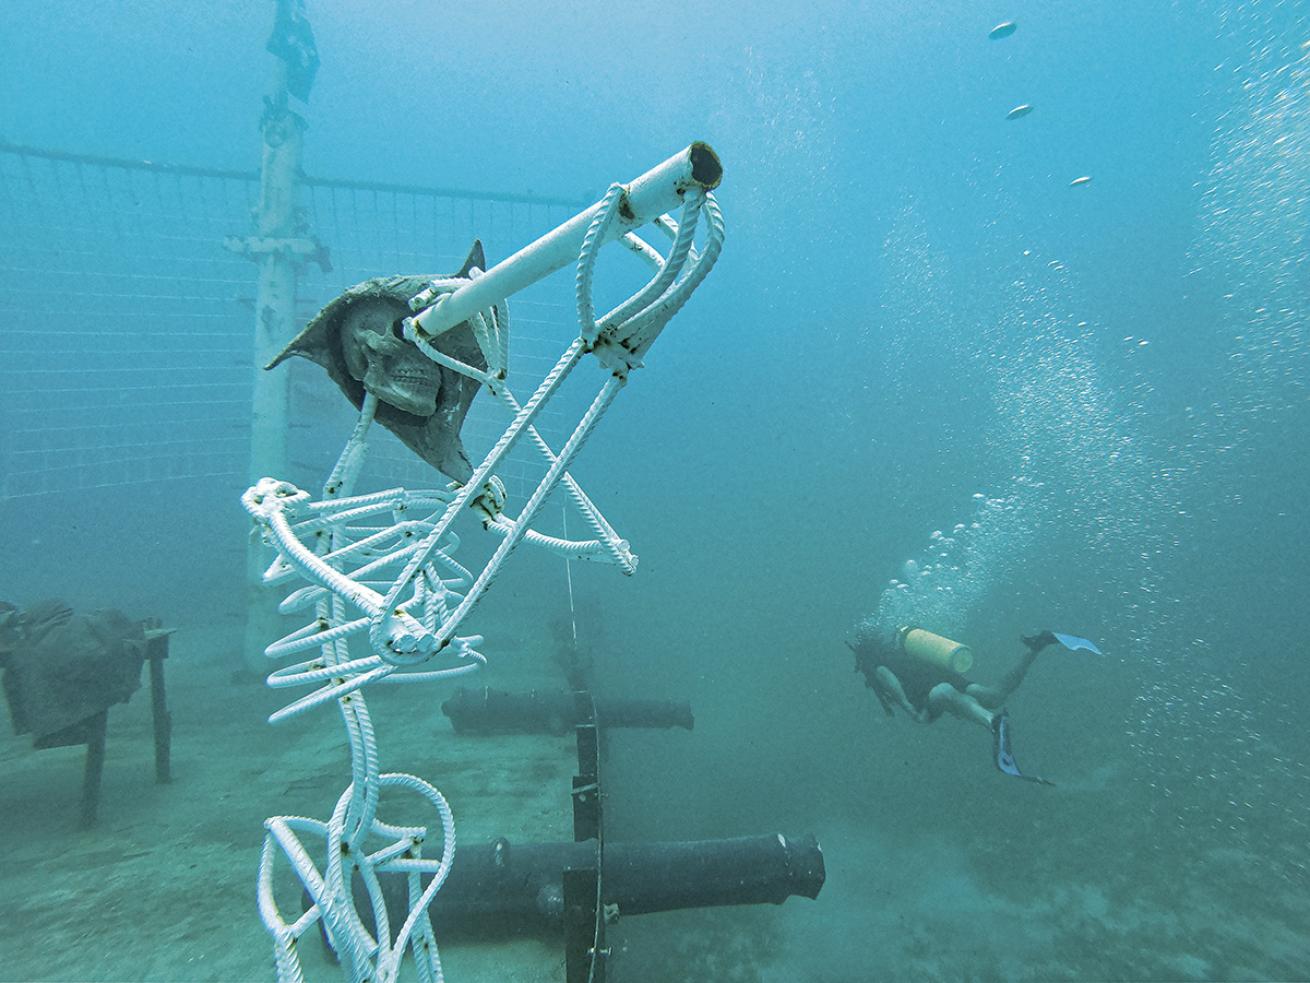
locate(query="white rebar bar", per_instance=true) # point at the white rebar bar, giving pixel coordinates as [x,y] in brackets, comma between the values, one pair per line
[410,619]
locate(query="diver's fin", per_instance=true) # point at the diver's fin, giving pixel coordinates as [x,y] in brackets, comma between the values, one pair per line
[1039,641]
[1072,642]
[1004,756]
[1075,644]
[476,257]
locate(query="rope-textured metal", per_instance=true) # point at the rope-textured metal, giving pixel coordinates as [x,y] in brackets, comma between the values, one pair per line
[377,571]
[609,210]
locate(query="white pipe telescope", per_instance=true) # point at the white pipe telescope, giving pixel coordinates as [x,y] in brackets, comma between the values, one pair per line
[659,190]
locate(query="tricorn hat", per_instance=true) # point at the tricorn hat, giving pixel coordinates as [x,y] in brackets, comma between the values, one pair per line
[434,438]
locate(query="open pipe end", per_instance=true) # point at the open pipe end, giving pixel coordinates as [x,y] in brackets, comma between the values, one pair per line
[706,170]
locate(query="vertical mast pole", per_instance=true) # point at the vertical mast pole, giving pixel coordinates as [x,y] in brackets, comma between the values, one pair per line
[279,246]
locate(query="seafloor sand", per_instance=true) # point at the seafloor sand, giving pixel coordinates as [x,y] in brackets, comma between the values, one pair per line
[164,887]
[1073,884]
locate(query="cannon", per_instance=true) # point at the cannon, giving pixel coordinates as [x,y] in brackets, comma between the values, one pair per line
[501,889]
[491,711]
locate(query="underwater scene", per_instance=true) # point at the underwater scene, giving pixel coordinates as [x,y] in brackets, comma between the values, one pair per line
[653,493]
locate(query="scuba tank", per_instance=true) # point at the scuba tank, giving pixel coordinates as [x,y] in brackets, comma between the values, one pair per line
[934,650]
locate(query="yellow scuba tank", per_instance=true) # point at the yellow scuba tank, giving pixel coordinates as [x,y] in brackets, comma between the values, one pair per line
[935,650]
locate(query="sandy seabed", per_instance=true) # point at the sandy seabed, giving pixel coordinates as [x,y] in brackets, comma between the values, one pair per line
[1078,885]
[163,887]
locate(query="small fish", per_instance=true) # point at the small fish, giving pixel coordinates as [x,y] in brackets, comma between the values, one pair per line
[1002,30]
[1019,112]
[1079,181]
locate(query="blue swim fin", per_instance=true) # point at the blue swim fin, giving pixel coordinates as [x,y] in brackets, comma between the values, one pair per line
[1004,756]
[1075,644]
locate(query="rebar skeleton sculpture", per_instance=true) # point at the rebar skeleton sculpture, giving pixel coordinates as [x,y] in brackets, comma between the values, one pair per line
[381,567]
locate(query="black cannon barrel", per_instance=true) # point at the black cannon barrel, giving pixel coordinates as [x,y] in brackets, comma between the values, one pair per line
[500,887]
[662,714]
[648,877]
[491,711]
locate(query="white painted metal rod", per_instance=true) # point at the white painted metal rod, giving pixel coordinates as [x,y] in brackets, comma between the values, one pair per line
[659,190]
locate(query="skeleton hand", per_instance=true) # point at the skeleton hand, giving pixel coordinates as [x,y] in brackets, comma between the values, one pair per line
[491,501]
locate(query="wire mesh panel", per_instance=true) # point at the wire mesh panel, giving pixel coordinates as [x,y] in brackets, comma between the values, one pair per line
[126,325]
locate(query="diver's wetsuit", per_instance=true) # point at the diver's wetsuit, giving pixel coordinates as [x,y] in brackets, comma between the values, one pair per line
[917,678]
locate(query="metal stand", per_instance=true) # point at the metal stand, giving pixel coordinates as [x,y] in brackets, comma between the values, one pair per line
[156,653]
[585,953]
[95,766]
[93,729]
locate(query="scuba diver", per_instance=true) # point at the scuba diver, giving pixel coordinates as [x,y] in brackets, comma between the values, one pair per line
[923,674]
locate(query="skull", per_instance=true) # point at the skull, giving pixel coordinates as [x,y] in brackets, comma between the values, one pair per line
[357,338]
[391,368]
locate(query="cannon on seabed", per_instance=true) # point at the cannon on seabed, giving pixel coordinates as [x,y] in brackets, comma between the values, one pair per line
[503,888]
[484,710]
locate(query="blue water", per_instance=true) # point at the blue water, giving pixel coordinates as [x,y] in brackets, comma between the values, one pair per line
[929,381]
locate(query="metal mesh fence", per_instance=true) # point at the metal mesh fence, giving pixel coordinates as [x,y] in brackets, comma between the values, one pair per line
[126,325]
